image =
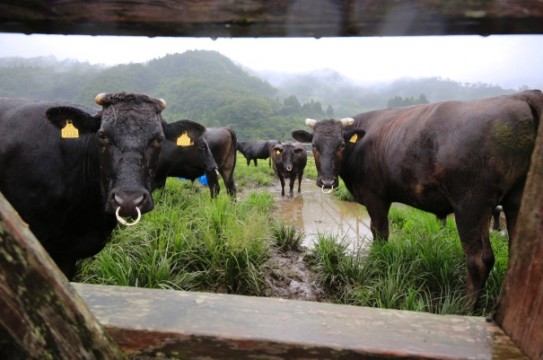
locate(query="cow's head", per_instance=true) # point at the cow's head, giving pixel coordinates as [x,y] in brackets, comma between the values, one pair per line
[129,131]
[285,153]
[329,140]
[185,152]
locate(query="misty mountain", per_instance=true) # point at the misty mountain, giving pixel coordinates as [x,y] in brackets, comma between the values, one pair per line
[207,87]
[349,98]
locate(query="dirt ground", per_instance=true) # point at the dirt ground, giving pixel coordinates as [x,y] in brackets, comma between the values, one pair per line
[291,278]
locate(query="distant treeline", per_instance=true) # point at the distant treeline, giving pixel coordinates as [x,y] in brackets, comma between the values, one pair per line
[207,87]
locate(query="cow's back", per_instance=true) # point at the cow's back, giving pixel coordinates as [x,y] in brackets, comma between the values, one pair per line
[422,154]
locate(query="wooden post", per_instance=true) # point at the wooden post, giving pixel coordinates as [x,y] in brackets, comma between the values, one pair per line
[286,18]
[41,316]
[520,310]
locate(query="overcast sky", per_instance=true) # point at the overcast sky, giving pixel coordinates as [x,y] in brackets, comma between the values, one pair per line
[509,61]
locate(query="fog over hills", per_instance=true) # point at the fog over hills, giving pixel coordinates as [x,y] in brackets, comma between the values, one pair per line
[209,87]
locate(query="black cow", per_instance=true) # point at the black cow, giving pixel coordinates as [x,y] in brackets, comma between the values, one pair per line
[289,162]
[187,159]
[253,150]
[70,187]
[223,143]
[216,150]
[462,157]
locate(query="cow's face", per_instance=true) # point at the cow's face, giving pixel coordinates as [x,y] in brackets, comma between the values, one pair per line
[285,154]
[329,143]
[130,134]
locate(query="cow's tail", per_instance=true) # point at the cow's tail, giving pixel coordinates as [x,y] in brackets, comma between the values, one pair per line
[235,143]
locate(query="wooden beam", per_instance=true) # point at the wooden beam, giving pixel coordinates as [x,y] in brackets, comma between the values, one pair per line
[41,317]
[150,323]
[520,310]
[264,18]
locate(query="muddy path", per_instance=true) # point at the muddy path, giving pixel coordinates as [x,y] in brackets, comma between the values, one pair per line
[313,213]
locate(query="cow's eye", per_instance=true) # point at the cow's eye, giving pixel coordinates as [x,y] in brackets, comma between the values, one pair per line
[157,141]
[102,135]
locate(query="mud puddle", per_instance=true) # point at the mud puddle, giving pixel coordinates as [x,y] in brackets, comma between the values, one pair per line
[315,212]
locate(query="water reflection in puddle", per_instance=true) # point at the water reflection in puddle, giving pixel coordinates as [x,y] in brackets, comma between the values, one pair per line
[316,213]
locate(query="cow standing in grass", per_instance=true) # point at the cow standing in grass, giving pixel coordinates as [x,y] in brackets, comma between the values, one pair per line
[253,150]
[73,171]
[289,161]
[450,157]
[213,152]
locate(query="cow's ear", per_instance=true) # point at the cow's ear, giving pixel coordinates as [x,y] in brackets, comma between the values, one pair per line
[68,117]
[354,136]
[302,136]
[183,132]
[174,130]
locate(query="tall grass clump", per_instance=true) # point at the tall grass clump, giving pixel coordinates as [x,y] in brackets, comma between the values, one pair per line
[190,242]
[328,258]
[420,268]
[287,237]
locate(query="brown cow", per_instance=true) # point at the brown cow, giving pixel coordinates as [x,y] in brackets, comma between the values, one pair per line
[450,157]
[289,162]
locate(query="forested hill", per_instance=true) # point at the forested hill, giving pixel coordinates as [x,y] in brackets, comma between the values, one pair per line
[207,87]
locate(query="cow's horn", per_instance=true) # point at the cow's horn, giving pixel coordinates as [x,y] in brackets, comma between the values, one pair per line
[99,98]
[162,103]
[310,122]
[347,121]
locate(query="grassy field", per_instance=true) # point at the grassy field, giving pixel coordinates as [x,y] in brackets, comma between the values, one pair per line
[191,242]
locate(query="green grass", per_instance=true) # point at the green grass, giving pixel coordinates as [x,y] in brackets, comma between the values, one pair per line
[420,268]
[192,242]
[287,237]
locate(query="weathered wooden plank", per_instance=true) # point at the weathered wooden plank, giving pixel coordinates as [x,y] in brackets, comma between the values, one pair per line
[41,317]
[260,18]
[520,310]
[187,325]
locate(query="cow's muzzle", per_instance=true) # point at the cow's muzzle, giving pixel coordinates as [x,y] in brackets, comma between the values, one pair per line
[130,204]
[327,186]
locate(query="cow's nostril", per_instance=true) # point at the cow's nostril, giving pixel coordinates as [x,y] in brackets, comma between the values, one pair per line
[139,200]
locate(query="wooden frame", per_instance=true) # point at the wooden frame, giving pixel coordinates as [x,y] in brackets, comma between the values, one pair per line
[259,18]
[520,312]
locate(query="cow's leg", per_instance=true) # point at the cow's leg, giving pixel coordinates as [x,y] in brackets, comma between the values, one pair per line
[67,266]
[378,211]
[443,221]
[248,162]
[496,218]
[300,175]
[213,183]
[282,180]
[473,229]
[511,206]
[256,163]
[292,179]
[228,178]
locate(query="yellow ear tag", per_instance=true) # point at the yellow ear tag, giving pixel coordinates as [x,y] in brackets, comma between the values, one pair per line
[69,131]
[277,152]
[353,138]
[184,140]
